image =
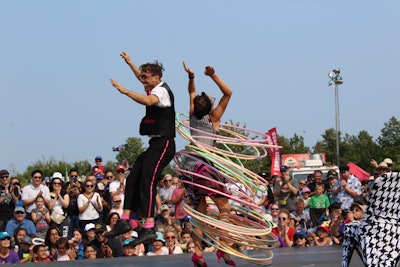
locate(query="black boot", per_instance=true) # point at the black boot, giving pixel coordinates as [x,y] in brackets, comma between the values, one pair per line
[122,226]
[146,236]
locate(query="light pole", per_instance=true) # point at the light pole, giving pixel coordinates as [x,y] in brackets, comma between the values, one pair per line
[336,79]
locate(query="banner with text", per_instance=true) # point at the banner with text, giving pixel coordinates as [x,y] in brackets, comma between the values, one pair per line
[272,139]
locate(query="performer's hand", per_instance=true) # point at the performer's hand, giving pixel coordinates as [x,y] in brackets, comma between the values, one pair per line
[209,71]
[189,71]
[119,87]
[126,57]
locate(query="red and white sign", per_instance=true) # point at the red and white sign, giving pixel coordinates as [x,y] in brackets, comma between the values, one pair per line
[298,160]
[272,139]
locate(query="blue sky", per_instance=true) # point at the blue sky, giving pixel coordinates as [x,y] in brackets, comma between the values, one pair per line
[56,59]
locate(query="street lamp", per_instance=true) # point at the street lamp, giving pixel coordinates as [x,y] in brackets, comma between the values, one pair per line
[336,79]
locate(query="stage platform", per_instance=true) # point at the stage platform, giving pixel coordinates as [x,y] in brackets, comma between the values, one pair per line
[329,256]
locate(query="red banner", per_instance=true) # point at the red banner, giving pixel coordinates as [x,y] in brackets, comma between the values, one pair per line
[272,139]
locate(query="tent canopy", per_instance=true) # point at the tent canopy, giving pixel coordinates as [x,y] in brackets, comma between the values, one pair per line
[358,172]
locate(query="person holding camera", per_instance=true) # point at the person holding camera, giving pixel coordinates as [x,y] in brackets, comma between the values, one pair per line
[73,189]
[286,189]
[8,199]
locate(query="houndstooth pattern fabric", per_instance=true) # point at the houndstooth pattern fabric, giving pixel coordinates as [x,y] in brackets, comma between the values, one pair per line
[378,234]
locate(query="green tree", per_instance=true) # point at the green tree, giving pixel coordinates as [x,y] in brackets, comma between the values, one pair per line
[134,147]
[293,145]
[359,149]
[328,145]
[389,140]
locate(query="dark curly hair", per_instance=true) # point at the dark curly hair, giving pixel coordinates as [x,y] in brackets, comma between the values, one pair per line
[202,105]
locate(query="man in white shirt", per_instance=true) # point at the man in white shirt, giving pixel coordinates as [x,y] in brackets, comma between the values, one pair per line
[31,191]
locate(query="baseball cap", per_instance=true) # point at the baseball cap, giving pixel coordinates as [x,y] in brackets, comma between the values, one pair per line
[187,218]
[284,168]
[160,237]
[98,158]
[4,172]
[388,161]
[355,204]
[323,227]
[305,190]
[164,207]
[4,235]
[120,167]
[300,234]
[134,234]
[99,176]
[100,227]
[57,175]
[19,208]
[89,226]
[127,242]
[27,240]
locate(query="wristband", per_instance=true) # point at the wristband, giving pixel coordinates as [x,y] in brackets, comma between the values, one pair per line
[191,76]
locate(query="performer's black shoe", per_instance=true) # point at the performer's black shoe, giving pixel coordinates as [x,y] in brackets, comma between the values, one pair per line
[146,236]
[122,226]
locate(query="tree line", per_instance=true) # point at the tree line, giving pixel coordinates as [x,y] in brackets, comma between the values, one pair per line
[359,149]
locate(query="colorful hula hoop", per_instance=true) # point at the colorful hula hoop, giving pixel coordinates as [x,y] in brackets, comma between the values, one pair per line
[247,228]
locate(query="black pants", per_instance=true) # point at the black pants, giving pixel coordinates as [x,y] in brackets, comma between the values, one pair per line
[141,184]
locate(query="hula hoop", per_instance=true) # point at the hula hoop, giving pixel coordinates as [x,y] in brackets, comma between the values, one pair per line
[221,172]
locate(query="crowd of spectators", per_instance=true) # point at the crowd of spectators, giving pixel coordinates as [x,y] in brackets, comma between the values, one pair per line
[66,218]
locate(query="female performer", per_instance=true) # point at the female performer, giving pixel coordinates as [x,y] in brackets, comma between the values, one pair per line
[206,118]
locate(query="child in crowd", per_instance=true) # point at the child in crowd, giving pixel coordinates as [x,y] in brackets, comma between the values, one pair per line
[301,239]
[322,237]
[41,253]
[77,243]
[190,248]
[186,237]
[117,206]
[128,249]
[41,217]
[90,252]
[159,247]
[305,195]
[319,204]
[25,253]
[64,250]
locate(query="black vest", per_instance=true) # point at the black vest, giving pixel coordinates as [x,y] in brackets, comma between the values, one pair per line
[159,122]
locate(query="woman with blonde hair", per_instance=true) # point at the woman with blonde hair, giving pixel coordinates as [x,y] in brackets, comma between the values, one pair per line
[171,238]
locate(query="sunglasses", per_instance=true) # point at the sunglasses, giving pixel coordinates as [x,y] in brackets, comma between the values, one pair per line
[89,185]
[168,181]
[282,218]
[274,209]
[4,177]
[170,237]
[19,212]
[5,238]
[144,76]
[57,183]
[37,177]
[122,171]
[300,237]
[109,177]
[74,176]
